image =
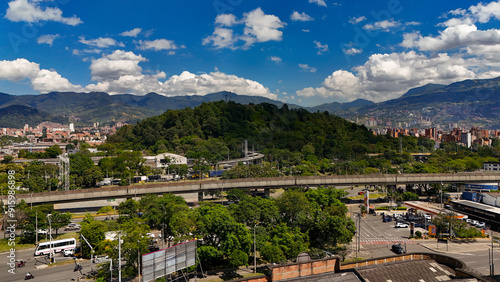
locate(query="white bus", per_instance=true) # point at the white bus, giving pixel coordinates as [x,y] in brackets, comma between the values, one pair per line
[57,246]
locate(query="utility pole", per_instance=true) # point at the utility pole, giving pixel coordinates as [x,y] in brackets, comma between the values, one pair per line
[52,257]
[119,257]
[91,252]
[254,250]
[359,233]
[139,263]
[492,260]
[36,226]
[441,195]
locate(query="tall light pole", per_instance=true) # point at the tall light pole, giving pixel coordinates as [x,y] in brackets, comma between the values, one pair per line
[254,249]
[52,257]
[119,257]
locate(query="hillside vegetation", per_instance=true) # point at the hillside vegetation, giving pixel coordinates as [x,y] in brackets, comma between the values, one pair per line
[216,127]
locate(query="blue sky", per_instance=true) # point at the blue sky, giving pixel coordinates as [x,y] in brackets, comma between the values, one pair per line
[305,52]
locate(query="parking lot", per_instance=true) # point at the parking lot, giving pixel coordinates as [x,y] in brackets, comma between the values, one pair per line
[374,231]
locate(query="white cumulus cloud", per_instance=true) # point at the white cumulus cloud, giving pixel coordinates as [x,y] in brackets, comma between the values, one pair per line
[322,48]
[157,45]
[101,42]
[460,31]
[388,76]
[41,79]
[318,2]
[352,51]
[357,20]
[301,17]
[275,59]
[307,68]
[32,12]
[258,27]
[226,20]
[132,33]
[384,25]
[47,39]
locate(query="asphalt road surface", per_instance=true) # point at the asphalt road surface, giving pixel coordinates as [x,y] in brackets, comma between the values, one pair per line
[57,273]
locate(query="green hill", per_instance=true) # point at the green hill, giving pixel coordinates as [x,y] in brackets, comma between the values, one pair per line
[215,127]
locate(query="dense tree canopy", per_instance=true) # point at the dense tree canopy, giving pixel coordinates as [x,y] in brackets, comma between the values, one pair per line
[215,127]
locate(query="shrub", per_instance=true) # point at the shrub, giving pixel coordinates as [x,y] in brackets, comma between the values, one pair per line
[418,235]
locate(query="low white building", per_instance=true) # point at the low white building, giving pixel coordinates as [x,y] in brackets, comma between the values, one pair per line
[491,166]
[164,160]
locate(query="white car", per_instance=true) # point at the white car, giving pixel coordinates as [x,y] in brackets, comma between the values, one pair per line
[43,231]
[426,216]
[474,222]
[72,226]
[401,225]
[100,259]
[468,220]
[68,252]
[480,225]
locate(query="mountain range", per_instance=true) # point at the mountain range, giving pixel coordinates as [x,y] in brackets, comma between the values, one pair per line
[471,102]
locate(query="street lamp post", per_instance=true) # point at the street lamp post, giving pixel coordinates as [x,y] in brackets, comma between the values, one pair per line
[254,250]
[51,256]
[120,257]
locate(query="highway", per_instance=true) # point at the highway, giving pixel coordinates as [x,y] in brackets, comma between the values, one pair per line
[200,187]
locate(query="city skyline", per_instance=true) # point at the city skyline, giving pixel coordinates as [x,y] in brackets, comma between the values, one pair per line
[308,52]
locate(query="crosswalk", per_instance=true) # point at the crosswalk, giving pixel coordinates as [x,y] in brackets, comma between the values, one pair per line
[387,241]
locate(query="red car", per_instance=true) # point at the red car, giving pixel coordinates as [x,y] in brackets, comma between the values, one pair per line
[361,193]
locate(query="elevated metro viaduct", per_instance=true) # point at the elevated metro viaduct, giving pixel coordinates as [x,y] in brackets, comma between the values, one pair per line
[200,187]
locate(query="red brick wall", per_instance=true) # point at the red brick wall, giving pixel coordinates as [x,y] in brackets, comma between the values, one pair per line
[303,269]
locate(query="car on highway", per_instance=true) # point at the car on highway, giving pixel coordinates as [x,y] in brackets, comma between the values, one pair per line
[69,252]
[43,231]
[398,249]
[401,225]
[72,226]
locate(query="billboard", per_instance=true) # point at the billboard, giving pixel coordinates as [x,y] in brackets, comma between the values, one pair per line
[432,230]
[165,261]
[481,186]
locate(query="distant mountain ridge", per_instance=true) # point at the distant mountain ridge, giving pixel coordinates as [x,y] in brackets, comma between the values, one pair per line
[475,102]
[86,108]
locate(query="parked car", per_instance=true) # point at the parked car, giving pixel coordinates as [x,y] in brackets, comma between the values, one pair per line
[361,193]
[480,225]
[398,249]
[72,226]
[468,220]
[427,216]
[387,219]
[474,222]
[397,215]
[401,225]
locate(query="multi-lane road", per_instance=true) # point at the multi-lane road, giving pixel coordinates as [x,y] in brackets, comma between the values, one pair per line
[42,273]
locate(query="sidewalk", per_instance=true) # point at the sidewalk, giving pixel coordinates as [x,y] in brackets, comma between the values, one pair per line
[481,244]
